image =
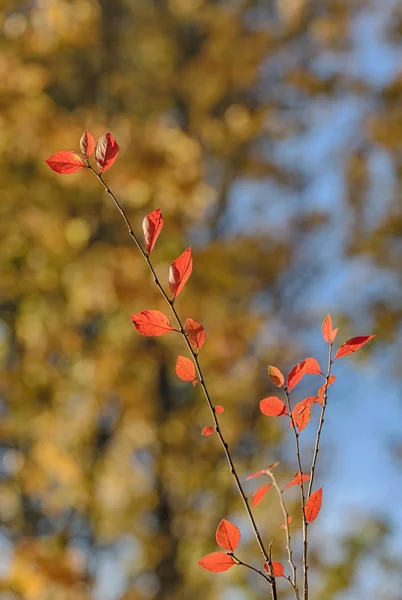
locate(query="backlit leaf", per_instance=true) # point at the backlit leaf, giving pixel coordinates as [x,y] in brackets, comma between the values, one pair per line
[259,494]
[313,506]
[180,271]
[185,369]
[219,409]
[312,366]
[276,376]
[87,144]
[152,322]
[227,535]
[152,226]
[297,480]
[302,412]
[278,569]
[353,345]
[65,163]
[217,562]
[296,374]
[272,407]
[106,152]
[195,333]
[257,474]
[208,431]
[326,329]
[321,391]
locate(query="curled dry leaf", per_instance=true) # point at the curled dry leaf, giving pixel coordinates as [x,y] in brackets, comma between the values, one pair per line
[277,568]
[195,333]
[227,535]
[296,374]
[259,494]
[272,407]
[179,272]
[106,152]
[87,144]
[219,409]
[217,562]
[276,376]
[208,431]
[152,322]
[313,506]
[152,226]
[185,369]
[353,345]
[297,480]
[65,163]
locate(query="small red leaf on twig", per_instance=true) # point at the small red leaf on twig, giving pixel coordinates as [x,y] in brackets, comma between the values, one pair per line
[152,226]
[323,387]
[257,474]
[185,369]
[87,144]
[296,374]
[152,322]
[313,506]
[180,270]
[272,407]
[290,519]
[106,152]
[302,412]
[219,409]
[195,333]
[276,376]
[259,494]
[65,163]
[217,562]
[297,480]
[278,569]
[353,345]
[326,329]
[312,366]
[227,535]
[208,431]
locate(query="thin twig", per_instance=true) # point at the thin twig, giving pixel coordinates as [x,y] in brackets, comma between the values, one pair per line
[243,564]
[224,444]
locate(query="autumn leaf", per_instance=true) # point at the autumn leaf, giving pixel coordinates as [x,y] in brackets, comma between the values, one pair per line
[326,329]
[185,369]
[302,412]
[290,519]
[219,409]
[321,391]
[87,144]
[208,431]
[65,163]
[259,494]
[276,376]
[278,569]
[106,152]
[296,375]
[227,535]
[195,333]
[217,562]
[152,226]
[272,407]
[312,366]
[152,322]
[180,271]
[313,506]
[257,474]
[353,345]
[297,480]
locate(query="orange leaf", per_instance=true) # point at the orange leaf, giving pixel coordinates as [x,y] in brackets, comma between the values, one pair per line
[302,412]
[65,163]
[257,474]
[277,568]
[313,506]
[106,152]
[217,562]
[297,480]
[259,494]
[219,409]
[152,322]
[312,366]
[322,388]
[272,407]
[296,374]
[353,344]
[180,271]
[276,376]
[195,333]
[227,535]
[208,431]
[185,369]
[87,144]
[152,226]
[290,519]
[326,329]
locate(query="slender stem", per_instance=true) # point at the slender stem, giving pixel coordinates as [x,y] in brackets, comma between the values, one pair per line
[293,579]
[224,444]
[243,564]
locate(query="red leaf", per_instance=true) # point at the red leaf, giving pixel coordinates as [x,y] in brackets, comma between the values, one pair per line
[65,163]
[195,333]
[257,474]
[219,409]
[296,374]
[208,431]
[106,152]
[227,535]
[297,480]
[322,388]
[276,376]
[277,568]
[87,144]
[152,226]
[217,562]
[312,366]
[259,494]
[272,407]
[185,369]
[302,412]
[353,344]
[313,506]
[326,329]
[152,322]
[290,519]
[180,271]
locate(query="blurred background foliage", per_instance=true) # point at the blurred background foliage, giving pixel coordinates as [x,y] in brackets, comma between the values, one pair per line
[107,489]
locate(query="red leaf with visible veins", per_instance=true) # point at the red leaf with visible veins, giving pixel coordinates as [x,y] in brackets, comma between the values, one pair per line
[277,568]
[185,369]
[208,431]
[106,152]
[87,143]
[180,271]
[276,376]
[227,535]
[272,407]
[152,322]
[322,388]
[312,366]
[65,163]
[296,374]
[313,506]
[195,333]
[353,344]
[302,412]
[152,226]
[259,494]
[297,480]
[217,562]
